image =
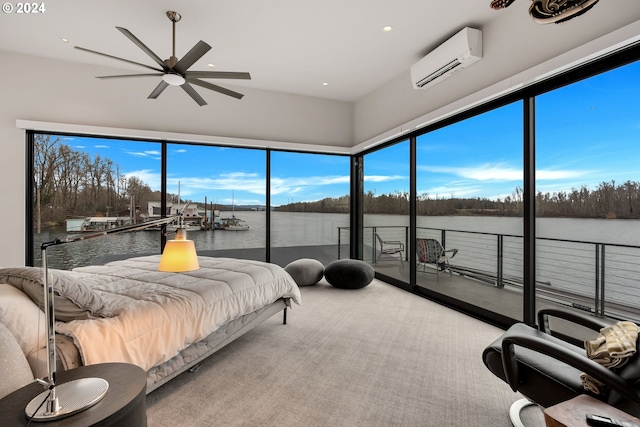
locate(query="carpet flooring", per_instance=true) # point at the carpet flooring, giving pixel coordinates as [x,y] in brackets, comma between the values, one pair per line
[376,356]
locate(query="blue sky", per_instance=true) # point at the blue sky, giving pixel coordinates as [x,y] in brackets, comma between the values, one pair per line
[587,133]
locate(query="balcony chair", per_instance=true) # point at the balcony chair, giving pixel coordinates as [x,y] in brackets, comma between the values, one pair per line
[545,366]
[430,251]
[390,247]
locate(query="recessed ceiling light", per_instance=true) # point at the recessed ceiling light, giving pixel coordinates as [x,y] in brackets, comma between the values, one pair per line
[387,28]
[211,65]
[63,40]
[325,84]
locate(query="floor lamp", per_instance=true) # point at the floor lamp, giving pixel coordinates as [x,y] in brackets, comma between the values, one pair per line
[63,400]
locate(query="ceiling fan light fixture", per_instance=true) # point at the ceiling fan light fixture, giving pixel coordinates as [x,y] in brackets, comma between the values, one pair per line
[173,79]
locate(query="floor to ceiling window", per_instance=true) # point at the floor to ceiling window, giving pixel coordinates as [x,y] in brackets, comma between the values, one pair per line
[386,210]
[310,206]
[222,191]
[588,193]
[469,202]
[85,184]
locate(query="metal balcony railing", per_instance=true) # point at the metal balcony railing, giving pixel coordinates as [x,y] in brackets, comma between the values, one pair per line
[603,278]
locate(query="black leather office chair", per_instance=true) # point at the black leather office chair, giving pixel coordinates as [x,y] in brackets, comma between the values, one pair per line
[545,366]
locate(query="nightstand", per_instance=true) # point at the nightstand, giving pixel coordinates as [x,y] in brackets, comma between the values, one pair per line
[125,403]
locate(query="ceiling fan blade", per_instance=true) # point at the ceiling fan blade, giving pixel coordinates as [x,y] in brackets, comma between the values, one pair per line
[129,75]
[193,94]
[158,90]
[217,75]
[142,46]
[191,57]
[216,88]
[120,59]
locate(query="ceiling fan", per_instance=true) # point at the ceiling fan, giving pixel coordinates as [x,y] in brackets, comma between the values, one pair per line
[548,11]
[175,72]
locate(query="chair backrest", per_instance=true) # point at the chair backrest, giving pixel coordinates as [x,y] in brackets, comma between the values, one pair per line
[378,237]
[429,250]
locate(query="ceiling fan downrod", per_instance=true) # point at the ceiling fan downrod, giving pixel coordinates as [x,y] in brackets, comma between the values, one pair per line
[173,17]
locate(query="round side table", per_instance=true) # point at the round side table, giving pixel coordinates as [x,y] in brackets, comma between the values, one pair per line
[125,403]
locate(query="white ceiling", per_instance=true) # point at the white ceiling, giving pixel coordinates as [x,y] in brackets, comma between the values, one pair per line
[290,46]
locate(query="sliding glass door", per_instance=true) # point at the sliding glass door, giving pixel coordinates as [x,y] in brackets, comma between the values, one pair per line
[386,210]
[588,194]
[470,202]
[310,206]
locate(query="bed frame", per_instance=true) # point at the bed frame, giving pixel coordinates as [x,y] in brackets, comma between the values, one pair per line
[189,359]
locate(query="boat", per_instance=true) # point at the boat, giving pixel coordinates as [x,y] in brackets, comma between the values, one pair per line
[192,220]
[99,223]
[230,224]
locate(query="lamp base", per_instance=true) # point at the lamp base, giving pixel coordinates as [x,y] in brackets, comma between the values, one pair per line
[72,397]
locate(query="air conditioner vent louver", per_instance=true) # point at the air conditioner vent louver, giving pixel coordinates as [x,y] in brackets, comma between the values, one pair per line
[431,77]
[457,53]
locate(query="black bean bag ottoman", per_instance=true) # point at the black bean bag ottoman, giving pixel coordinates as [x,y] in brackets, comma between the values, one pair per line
[305,271]
[349,273]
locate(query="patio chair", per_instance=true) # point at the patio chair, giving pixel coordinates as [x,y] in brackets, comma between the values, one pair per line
[430,251]
[390,247]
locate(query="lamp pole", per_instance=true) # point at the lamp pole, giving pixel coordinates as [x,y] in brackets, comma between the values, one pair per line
[63,400]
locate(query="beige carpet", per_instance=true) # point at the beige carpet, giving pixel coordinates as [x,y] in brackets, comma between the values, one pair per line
[377,356]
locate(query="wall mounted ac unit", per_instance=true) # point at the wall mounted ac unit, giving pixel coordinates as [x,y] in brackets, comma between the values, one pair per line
[457,53]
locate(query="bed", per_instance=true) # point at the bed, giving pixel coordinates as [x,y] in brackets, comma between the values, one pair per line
[127,311]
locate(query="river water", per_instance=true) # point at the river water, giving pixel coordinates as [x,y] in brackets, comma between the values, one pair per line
[565,264]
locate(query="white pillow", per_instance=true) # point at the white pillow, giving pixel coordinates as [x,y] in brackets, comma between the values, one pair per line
[23,318]
[14,369]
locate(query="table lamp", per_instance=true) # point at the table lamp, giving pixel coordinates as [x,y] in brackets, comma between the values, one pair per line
[179,255]
[63,400]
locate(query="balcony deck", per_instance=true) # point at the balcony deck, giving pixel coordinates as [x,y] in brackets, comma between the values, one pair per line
[506,301]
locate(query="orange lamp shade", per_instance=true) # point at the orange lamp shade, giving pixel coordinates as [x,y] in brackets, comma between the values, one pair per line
[179,256]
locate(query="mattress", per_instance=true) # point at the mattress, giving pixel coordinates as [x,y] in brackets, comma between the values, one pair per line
[160,314]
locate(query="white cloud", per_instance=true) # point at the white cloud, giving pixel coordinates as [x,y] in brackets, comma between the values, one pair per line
[383,178]
[147,176]
[146,153]
[497,172]
[249,182]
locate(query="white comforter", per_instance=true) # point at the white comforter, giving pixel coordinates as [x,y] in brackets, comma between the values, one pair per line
[160,313]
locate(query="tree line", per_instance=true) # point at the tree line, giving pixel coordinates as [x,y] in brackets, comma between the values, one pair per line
[70,184]
[607,200]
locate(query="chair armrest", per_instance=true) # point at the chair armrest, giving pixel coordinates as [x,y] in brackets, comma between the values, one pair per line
[528,337]
[453,252]
[394,242]
[583,319]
